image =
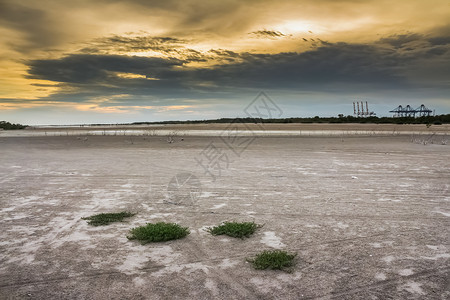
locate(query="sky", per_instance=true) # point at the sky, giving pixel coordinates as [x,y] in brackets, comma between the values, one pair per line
[111,61]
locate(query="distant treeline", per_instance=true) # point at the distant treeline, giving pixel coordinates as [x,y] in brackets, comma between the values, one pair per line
[9,126]
[435,120]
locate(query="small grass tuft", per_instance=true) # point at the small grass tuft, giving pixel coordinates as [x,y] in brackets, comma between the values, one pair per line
[234,229]
[158,232]
[274,260]
[105,219]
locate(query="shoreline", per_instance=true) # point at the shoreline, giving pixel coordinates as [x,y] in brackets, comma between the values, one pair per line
[237,129]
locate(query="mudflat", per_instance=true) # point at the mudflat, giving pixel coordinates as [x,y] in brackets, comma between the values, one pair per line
[368,216]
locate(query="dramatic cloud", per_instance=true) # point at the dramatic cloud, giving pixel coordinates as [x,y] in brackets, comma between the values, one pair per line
[34,24]
[124,44]
[268,34]
[93,69]
[339,65]
[201,56]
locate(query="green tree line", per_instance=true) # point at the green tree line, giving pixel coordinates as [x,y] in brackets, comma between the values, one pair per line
[10,126]
[435,120]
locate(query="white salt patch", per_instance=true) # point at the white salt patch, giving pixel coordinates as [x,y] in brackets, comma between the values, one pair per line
[432,247]
[271,240]
[76,236]
[380,276]
[23,229]
[388,259]
[187,268]
[138,257]
[387,199]
[224,240]
[159,215]
[128,185]
[289,277]
[406,272]
[133,262]
[413,287]
[342,225]
[405,185]
[23,259]
[212,286]
[8,209]
[312,226]
[265,285]
[217,206]
[163,255]
[138,281]
[33,198]
[204,229]
[227,263]
[437,256]
[18,216]
[206,194]
[147,207]
[376,245]
[441,212]
[6,243]
[250,212]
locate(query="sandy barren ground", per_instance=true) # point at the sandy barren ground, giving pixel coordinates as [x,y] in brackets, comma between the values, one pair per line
[368,216]
[267,126]
[243,128]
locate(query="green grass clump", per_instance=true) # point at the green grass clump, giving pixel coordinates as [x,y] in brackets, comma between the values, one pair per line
[235,229]
[274,260]
[105,219]
[158,232]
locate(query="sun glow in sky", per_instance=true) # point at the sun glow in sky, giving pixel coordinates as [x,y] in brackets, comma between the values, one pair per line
[70,62]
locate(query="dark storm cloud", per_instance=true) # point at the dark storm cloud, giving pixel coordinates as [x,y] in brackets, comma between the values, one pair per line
[423,51]
[33,23]
[332,67]
[89,69]
[401,40]
[82,77]
[441,40]
[426,46]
